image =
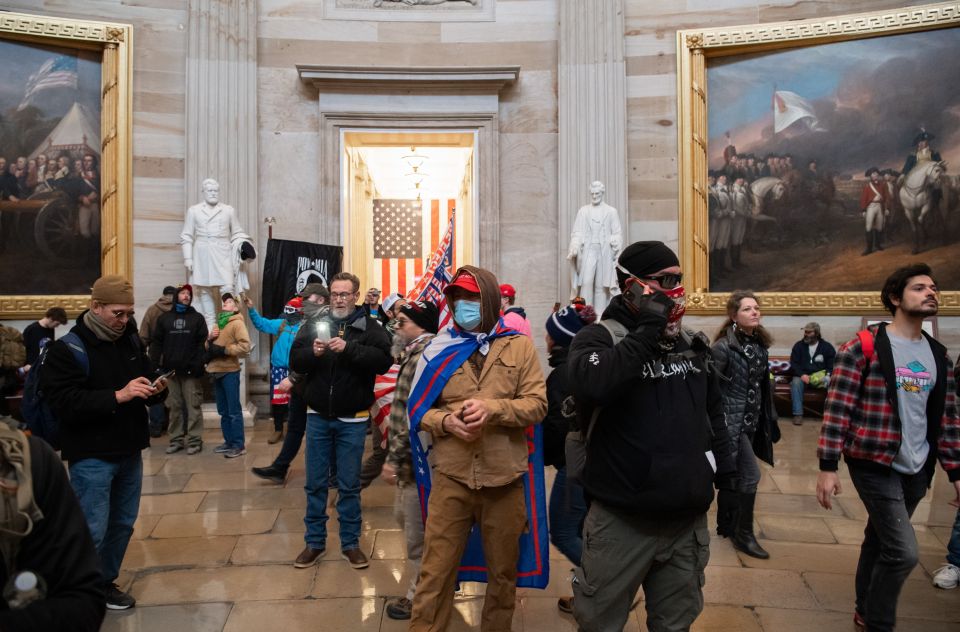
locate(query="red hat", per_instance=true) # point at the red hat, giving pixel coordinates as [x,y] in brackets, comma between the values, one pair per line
[507,291]
[293,305]
[466,281]
[187,287]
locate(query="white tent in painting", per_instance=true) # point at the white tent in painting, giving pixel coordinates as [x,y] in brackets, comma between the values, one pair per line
[77,132]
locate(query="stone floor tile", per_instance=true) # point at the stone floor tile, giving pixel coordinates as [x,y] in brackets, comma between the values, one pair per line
[158,553]
[853,507]
[164,483]
[799,556]
[144,526]
[170,503]
[540,614]
[722,552]
[717,619]
[558,586]
[790,482]
[335,578]
[851,532]
[794,529]
[215,523]
[376,518]
[755,587]
[272,497]
[794,505]
[389,544]
[283,548]
[782,620]
[379,494]
[310,615]
[918,599]
[153,464]
[197,617]
[229,583]
[942,534]
[767,484]
[218,481]
[291,521]
[209,462]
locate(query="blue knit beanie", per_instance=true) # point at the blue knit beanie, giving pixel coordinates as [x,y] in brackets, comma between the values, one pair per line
[564,324]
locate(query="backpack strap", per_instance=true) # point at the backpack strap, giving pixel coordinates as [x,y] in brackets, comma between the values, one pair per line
[866,344]
[618,332]
[79,351]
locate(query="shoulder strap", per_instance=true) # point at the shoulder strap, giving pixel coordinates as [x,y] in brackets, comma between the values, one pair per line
[79,351]
[866,344]
[617,330]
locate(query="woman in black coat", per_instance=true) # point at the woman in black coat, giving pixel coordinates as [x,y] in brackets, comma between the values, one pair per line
[740,354]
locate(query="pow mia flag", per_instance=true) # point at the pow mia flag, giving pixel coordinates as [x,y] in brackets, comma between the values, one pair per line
[290,265]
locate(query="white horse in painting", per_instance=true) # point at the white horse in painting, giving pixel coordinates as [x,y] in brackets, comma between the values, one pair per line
[763,191]
[916,195]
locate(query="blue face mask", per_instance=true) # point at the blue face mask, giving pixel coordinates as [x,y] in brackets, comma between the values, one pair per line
[467,314]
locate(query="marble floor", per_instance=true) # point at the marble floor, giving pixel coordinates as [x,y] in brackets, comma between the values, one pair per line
[214,545]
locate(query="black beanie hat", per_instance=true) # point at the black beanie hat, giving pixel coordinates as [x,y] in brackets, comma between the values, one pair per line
[170,290]
[423,313]
[644,258]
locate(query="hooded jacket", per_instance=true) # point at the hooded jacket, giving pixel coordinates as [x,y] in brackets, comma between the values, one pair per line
[178,342]
[164,304]
[284,331]
[236,343]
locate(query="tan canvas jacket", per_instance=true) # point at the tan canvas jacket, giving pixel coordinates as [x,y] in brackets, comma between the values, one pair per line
[511,383]
[236,340]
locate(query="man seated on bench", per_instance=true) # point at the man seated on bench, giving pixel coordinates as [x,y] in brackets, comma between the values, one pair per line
[811,362]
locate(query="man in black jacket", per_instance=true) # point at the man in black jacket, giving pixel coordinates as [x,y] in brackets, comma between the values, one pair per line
[340,365]
[657,447]
[103,417]
[178,344]
[58,550]
[809,357]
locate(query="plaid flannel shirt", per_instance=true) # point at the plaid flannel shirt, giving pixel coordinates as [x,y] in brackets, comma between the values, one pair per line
[398,423]
[860,422]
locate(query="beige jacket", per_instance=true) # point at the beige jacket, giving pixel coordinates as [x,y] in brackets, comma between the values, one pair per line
[235,339]
[512,385]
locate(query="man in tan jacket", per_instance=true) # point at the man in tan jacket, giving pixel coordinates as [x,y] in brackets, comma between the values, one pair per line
[479,455]
[229,342]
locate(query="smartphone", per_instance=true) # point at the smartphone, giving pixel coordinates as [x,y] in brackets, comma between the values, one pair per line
[164,376]
[323,331]
[636,293]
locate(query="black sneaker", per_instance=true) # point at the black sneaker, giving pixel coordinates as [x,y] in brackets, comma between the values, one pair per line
[119,600]
[400,609]
[271,473]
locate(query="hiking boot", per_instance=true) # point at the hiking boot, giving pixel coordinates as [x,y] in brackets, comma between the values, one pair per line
[119,600]
[220,449]
[356,558]
[275,437]
[308,557]
[947,577]
[233,453]
[194,449]
[565,604]
[271,473]
[173,448]
[798,420]
[400,609]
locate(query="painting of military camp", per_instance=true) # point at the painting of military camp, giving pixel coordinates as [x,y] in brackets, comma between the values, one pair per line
[830,165]
[49,169]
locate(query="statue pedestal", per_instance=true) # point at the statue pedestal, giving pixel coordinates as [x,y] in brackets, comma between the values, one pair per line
[211,418]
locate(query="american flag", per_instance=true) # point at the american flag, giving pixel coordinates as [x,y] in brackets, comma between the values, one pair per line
[398,266]
[56,72]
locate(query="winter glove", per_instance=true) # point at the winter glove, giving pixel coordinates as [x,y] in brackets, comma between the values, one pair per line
[651,310]
[216,351]
[728,512]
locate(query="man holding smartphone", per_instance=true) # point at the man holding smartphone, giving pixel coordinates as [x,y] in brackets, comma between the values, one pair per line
[338,364]
[651,409]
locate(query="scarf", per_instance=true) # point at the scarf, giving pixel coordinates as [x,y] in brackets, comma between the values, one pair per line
[223,318]
[311,309]
[100,329]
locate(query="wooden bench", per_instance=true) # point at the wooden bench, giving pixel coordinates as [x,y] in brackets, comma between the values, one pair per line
[813,398]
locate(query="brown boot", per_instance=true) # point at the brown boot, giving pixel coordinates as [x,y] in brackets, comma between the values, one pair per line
[275,437]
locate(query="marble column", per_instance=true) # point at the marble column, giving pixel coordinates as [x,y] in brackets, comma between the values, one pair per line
[221,119]
[592,106]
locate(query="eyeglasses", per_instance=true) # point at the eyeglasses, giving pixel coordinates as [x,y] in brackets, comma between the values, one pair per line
[341,296]
[121,313]
[666,281]
[402,321]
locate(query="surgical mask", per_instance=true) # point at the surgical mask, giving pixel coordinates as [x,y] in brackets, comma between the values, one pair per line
[467,314]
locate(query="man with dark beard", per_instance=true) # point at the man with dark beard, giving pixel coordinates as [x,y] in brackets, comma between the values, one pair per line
[657,443]
[811,361]
[891,411]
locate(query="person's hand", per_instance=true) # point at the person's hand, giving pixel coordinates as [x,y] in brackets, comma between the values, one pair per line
[828,484]
[188,264]
[137,387]
[160,385]
[285,385]
[453,424]
[474,414]
[389,473]
[956,501]
[248,301]
[214,332]
[337,345]
[805,379]
[572,256]
[25,369]
[318,347]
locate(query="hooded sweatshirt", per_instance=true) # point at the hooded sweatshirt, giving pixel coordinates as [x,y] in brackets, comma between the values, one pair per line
[164,304]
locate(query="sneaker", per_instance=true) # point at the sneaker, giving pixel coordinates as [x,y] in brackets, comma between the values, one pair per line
[565,604]
[173,448]
[233,453]
[194,449]
[220,449]
[858,623]
[798,420]
[947,577]
[356,558]
[271,473]
[119,600]
[400,609]
[308,557]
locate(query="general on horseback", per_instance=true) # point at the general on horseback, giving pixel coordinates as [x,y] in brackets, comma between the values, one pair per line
[920,190]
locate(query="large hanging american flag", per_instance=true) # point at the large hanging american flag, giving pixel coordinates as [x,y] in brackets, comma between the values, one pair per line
[405,232]
[56,72]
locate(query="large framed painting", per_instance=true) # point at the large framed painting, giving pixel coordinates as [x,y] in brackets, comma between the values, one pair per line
[817,156]
[65,160]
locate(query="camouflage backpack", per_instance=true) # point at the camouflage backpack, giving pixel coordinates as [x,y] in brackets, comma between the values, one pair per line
[13,353]
[18,510]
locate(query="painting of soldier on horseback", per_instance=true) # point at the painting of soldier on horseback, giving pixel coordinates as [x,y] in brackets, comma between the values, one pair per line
[829,164]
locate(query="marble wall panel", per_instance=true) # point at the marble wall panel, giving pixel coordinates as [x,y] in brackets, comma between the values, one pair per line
[530,105]
[662,230]
[528,21]
[645,209]
[160,198]
[409,32]
[528,167]
[651,85]
[158,167]
[285,103]
[288,183]
[149,143]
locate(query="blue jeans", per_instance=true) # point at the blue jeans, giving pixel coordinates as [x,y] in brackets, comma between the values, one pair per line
[158,415]
[889,551]
[796,396]
[296,425]
[226,388]
[326,437]
[953,546]
[567,512]
[109,494]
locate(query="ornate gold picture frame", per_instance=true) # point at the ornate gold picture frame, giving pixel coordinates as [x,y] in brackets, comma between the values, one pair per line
[810,121]
[69,104]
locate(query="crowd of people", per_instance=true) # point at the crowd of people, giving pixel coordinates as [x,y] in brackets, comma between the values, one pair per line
[643,420]
[21,177]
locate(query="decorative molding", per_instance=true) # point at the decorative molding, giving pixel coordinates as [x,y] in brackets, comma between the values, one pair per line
[846,303]
[20,307]
[63,28]
[410,10]
[383,78]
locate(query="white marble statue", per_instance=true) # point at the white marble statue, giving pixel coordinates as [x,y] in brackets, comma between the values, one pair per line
[211,240]
[595,244]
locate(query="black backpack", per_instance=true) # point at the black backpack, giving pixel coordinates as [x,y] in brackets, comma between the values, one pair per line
[36,411]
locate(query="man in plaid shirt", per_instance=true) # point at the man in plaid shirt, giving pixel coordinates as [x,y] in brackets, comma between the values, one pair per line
[891,411]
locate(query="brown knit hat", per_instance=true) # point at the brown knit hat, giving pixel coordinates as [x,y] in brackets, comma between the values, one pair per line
[112,289]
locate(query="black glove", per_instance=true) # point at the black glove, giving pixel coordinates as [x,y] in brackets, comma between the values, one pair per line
[728,512]
[216,351]
[652,310]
